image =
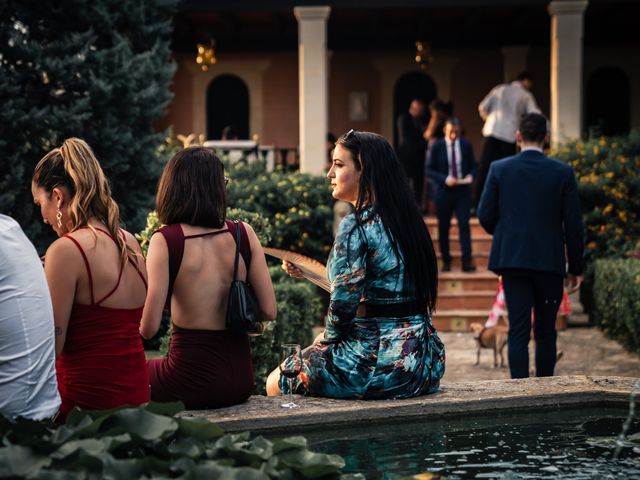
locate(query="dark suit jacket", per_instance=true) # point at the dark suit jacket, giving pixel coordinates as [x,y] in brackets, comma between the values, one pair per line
[438,165]
[530,205]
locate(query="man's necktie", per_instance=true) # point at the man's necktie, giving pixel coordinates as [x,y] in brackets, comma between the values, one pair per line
[454,167]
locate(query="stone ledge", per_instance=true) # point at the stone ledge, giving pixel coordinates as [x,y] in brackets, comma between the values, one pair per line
[261,413]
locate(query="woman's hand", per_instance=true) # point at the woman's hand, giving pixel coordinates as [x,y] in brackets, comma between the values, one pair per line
[291,269]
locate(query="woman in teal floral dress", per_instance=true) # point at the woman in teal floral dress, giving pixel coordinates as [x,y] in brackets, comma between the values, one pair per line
[378,341]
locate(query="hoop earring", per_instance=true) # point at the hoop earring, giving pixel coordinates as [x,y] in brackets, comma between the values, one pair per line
[59,218]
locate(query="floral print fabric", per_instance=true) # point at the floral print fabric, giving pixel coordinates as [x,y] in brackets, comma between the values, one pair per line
[369,358]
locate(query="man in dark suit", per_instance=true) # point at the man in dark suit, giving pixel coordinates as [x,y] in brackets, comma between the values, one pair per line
[412,146]
[530,205]
[451,167]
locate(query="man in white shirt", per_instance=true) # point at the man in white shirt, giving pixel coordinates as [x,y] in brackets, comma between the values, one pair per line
[28,386]
[501,110]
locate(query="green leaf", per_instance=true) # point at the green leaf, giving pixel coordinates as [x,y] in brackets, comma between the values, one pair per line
[114,469]
[199,427]
[141,424]
[21,461]
[311,464]
[186,447]
[288,443]
[165,408]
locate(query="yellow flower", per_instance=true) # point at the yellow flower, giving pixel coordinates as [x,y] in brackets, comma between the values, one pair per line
[607,209]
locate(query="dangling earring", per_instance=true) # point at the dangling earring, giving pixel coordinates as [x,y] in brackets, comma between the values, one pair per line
[59,218]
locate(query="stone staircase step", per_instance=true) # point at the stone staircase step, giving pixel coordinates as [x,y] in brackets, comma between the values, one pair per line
[480,244]
[462,282]
[475,300]
[480,260]
[432,225]
[458,320]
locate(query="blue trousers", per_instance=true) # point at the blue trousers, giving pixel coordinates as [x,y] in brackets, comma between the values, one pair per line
[542,291]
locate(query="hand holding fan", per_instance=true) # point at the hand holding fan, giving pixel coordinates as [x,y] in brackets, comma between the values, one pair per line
[311,269]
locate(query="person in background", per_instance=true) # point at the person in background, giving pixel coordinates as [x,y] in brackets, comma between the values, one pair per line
[378,341]
[531,206]
[451,168]
[97,279]
[191,265]
[412,146]
[440,111]
[28,386]
[501,110]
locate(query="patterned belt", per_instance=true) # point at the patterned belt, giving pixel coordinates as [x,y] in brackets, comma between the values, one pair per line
[403,309]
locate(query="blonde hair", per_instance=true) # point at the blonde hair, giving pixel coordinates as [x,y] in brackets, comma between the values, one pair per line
[74,166]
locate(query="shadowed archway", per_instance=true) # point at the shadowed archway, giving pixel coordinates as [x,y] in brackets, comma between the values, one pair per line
[227,105]
[608,102]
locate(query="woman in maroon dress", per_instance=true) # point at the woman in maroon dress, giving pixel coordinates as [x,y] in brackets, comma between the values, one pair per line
[97,280]
[191,267]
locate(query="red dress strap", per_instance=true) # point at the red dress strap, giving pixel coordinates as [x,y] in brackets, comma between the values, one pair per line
[174,237]
[128,257]
[86,264]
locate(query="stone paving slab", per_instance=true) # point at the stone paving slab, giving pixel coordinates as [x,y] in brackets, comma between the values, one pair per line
[457,399]
[586,351]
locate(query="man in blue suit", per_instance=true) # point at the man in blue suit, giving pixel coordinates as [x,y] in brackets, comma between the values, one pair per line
[451,167]
[530,205]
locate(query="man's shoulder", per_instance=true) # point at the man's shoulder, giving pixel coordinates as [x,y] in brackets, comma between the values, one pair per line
[503,162]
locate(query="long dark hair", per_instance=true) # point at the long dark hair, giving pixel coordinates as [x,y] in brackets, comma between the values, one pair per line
[384,187]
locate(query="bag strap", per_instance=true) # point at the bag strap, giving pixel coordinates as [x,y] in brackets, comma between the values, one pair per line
[235,263]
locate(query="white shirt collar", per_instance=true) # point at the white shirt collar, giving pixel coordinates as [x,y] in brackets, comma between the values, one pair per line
[537,149]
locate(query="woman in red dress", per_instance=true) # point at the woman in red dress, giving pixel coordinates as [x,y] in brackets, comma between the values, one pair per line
[191,264]
[97,279]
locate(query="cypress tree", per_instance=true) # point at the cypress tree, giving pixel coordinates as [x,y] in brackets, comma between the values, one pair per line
[99,70]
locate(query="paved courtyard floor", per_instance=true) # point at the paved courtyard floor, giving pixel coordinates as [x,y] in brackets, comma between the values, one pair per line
[586,351]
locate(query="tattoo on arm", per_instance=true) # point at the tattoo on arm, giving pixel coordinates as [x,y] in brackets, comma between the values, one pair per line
[58,331]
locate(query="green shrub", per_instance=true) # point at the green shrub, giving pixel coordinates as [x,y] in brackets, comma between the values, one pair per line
[608,174]
[298,206]
[617,299]
[100,71]
[149,442]
[299,307]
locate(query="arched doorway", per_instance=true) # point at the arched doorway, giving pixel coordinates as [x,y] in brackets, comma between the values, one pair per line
[608,102]
[227,105]
[409,86]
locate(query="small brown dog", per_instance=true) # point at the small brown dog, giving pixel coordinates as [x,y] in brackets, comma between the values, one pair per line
[492,337]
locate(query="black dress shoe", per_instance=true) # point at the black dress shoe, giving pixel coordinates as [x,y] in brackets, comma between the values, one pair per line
[446,267]
[469,267]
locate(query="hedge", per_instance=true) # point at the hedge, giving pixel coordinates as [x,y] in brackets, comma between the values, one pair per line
[617,299]
[608,174]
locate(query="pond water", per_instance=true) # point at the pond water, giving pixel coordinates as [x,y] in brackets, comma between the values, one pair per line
[567,444]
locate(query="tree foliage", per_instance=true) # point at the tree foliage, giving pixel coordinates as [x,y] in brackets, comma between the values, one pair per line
[97,70]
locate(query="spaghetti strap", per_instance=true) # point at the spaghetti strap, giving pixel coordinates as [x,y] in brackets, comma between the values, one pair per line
[205,234]
[128,258]
[86,264]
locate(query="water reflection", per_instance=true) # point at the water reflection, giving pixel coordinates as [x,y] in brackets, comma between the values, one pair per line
[568,444]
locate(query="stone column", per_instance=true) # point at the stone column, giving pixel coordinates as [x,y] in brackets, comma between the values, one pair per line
[567,18]
[515,62]
[312,81]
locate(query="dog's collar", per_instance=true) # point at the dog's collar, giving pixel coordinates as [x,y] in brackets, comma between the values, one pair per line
[480,334]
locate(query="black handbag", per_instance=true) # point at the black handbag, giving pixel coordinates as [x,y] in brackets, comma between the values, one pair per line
[243,313]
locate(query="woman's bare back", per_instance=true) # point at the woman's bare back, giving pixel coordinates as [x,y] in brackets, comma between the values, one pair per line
[201,287]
